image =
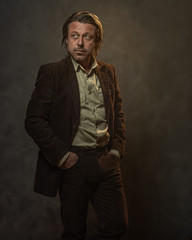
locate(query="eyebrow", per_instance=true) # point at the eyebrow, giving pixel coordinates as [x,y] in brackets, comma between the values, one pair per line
[83,33]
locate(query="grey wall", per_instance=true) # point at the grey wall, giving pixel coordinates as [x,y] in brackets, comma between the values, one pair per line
[149,42]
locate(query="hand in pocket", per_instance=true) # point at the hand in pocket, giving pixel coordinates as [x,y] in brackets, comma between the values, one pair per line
[108,162]
[70,161]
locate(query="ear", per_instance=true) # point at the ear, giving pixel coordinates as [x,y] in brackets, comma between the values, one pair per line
[66,41]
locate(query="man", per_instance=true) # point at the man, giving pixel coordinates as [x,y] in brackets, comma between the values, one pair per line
[75,118]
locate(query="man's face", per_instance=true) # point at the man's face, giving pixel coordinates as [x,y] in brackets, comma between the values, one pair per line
[81,41]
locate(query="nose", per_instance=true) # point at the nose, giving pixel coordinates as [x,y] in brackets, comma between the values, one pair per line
[80,42]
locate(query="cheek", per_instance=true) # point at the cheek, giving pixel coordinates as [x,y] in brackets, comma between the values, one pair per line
[92,45]
[70,45]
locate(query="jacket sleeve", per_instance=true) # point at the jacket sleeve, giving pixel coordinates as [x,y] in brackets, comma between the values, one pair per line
[38,115]
[118,141]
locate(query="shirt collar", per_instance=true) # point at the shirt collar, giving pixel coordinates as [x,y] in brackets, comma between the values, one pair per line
[77,66]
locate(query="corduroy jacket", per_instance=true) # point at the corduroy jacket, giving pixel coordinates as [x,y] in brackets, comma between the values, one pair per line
[53,116]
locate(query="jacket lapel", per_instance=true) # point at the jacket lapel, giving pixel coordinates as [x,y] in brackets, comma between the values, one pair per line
[104,81]
[73,86]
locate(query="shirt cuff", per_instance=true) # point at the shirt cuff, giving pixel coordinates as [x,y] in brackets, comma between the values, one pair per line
[62,160]
[115,152]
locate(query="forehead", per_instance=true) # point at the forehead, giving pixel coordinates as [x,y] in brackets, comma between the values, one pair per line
[81,27]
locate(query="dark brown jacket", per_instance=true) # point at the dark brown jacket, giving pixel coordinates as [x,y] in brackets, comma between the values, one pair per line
[53,116]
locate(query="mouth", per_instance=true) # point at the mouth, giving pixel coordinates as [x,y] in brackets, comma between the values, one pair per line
[79,51]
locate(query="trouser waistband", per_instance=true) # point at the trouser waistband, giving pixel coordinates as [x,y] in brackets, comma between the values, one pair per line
[88,149]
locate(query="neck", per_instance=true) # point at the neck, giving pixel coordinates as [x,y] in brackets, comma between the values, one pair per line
[87,64]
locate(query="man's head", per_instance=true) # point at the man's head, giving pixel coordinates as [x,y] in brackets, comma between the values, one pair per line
[85,28]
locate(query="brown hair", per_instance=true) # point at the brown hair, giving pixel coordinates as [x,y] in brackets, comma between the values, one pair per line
[85,17]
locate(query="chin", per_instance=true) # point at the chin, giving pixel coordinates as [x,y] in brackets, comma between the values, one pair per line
[80,59]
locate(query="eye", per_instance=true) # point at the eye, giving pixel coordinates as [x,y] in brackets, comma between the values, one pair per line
[88,37]
[74,35]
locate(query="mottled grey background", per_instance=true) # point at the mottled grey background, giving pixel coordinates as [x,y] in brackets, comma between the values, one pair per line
[149,42]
